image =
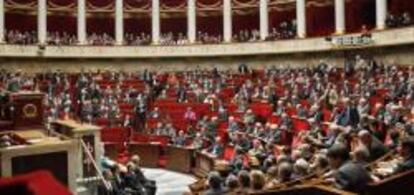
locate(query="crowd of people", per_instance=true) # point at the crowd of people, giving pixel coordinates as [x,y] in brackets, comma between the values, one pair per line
[21,38]
[356,115]
[285,30]
[141,39]
[125,179]
[400,20]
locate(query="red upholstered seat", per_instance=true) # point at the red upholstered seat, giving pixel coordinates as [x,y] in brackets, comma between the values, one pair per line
[34,183]
[375,100]
[103,122]
[163,140]
[274,119]
[300,124]
[261,109]
[113,135]
[228,153]
[126,106]
[138,137]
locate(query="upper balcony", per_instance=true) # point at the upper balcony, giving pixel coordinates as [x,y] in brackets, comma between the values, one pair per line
[392,37]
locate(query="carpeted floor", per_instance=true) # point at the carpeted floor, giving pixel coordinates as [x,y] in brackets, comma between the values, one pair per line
[169,182]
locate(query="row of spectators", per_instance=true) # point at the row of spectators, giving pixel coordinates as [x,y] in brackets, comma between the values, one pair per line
[285,30]
[399,20]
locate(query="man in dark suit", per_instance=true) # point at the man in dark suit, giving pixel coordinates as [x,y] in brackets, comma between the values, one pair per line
[347,175]
[349,116]
[110,188]
[243,69]
[132,183]
[217,148]
[215,185]
[149,185]
[407,152]
[376,147]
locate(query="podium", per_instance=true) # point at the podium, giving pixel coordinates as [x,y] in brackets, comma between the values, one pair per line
[34,150]
[86,137]
[27,109]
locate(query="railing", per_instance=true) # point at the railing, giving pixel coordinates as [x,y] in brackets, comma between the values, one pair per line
[400,36]
[95,165]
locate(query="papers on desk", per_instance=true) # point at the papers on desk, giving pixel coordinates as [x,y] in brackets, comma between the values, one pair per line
[34,141]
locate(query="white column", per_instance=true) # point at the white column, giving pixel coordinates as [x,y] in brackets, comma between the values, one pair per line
[227,25]
[191,21]
[264,20]
[301,18]
[339,16]
[81,22]
[381,13]
[41,21]
[2,31]
[155,21]
[119,22]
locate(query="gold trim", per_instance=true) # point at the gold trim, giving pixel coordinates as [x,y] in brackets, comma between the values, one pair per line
[29,111]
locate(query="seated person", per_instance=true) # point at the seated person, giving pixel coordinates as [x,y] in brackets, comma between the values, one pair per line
[300,169]
[215,186]
[257,179]
[217,148]
[232,184]
[198,141]
[347,175]
[244,182]
[375,147]
[180,139]
[132,184]
[155,114]
[170,130]
[149,185]
[407,153]
[249,117]
[257,149]
[160,129]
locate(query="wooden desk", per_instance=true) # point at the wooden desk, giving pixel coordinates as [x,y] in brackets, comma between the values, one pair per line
[149,153]
[305,189]
[179,158]
[401,183]
[112,150]
[204,164]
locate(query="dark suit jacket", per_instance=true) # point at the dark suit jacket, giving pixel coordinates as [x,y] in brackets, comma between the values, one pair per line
[405,166]
[115,190]
[376,149]
[352,177]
